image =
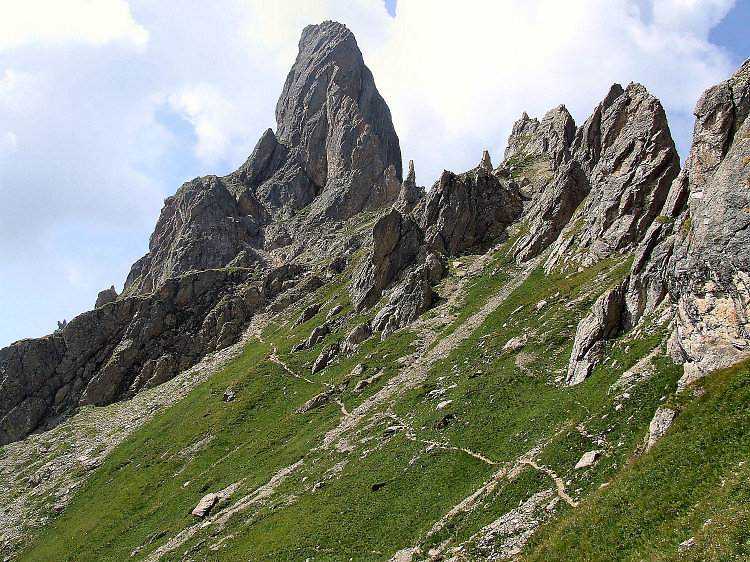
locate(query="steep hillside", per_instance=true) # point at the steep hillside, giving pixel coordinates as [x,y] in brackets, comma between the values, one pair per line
[320,361]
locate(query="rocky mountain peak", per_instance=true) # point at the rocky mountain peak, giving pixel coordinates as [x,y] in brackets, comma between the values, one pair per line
[334,150]
[626,150]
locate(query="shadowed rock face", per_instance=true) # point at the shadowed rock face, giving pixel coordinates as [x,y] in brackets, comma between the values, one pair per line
[132,343]
[461,211]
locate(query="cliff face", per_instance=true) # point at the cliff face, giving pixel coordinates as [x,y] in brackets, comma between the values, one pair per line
[335,151]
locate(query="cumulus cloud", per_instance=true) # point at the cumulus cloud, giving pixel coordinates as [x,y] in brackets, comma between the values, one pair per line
[106,106]
[94,21]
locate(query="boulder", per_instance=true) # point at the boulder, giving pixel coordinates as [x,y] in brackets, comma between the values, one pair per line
[307,314]
[325,358]
[318,335]
[588,459]
[659,425]
[204,506]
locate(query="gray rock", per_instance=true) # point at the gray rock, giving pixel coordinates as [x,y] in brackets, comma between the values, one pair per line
[659,425]
[307,314]
[588,459]
[413,297]
[486,162]
[334,311]
[200,227]
[551,210]
[603,323]
[461,211]
[106,296]
[335,150]
[337,126]
[359,334]
[552,136]
[710,269]
[327,355]
[135,342]
[396,243]
[318,335]
[411,194]
[317,401]
[626,150]
[204,506]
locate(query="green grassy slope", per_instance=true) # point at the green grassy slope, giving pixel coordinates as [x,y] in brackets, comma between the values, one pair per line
[462,429]
[694,483]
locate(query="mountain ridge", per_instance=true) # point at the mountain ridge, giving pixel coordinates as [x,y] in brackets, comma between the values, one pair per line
[584,243]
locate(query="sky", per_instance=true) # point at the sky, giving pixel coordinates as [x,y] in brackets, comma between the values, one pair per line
[108,106]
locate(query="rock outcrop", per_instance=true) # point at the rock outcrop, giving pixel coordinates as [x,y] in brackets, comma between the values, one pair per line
[335,150]
[626,150]
[411,194]
[603,323]
[710,269]
[396,243]
[407,302]
[551,136]
[202,226]
[132,343]
[461,211]
[105,297]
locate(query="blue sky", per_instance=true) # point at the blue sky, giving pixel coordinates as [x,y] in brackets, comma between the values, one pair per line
[107,106]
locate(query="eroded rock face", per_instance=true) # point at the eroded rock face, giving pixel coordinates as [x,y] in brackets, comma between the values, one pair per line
[335,149]
[626,150]
[409,301]
[396,243]
[132,343]
[551,210]
[550,137]
[337,126]
[200,227]
[461,211]
[603,323]
[710,268]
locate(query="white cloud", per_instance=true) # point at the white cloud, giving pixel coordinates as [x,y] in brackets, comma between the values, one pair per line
[8,140]
[93,21]
[212,117]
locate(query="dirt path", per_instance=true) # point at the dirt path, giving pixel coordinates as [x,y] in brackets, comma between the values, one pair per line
[557,480]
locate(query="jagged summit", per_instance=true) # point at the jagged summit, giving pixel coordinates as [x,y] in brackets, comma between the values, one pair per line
[335,150]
